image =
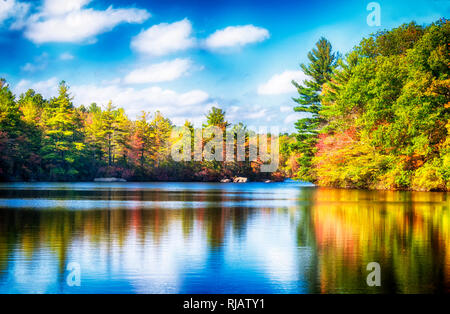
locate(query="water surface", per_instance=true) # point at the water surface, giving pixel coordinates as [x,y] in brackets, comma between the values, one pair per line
[220,238]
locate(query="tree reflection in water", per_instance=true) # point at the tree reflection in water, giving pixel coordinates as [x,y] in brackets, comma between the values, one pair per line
[222,238]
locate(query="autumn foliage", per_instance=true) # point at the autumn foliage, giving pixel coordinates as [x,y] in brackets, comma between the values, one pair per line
[54,140]
[386,113]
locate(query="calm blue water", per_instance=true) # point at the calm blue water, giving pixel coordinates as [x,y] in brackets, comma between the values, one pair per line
[220,238]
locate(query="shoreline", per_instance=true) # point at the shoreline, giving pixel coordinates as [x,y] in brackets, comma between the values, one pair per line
[287,180]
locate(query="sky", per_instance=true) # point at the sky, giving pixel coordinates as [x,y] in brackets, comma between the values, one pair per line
[183,57]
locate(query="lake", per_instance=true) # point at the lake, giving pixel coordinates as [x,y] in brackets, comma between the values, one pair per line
[220,238]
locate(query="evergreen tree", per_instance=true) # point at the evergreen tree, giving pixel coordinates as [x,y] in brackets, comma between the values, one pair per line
[109,131]
[9,131]
[122,136]
[161,128]
[9,110]
[62,140]
[142,139]
[31,105]
[189,126]
[95,132]
[216,117]
[322,62]
[240,167]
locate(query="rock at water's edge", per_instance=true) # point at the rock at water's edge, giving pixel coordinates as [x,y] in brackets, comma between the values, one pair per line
[109,180]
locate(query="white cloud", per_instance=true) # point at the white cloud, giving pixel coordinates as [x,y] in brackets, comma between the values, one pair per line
[160,72]
[164,38]
[48,88]
[193,97]
[236,36]
[58,7]
[257,114]
[281,83]
[177,106]
[6,9]
[30,67]
[68,21]
[292,118]
[286,108]
[248,113]
[40,63]
[12,9]
[66,56]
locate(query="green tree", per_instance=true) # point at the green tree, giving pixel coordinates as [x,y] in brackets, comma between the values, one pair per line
[9,131]
[142,139]
[161,128]
[108,133]
[31,105]
[95,135]
[9,110]
[62,140]
[322,62]
[216,117]
[122,136]
[109,130]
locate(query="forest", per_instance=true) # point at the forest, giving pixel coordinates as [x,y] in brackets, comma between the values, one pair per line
[378,117]
[54,140]
[375,118]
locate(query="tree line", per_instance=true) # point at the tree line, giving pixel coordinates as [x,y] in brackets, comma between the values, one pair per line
[54,140]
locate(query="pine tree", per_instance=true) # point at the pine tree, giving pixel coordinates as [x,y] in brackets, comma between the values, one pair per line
[122,138]
[189,126]
[161,128]
[322,62]
[216,117]
[9,110]
[9,131]
[31,105]
[62,140]
[142,139]
[109,131]
[95,132]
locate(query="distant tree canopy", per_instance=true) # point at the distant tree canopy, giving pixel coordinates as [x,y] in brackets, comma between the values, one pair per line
[382,119]
[53,140]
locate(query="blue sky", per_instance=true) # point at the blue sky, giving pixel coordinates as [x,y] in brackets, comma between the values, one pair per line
[182,57]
